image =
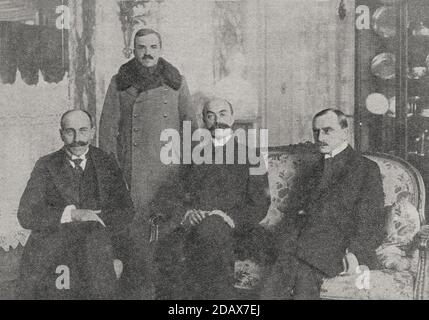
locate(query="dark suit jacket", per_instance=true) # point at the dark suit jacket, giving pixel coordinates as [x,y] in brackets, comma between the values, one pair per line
[49,191]
[325,217]
[227,187]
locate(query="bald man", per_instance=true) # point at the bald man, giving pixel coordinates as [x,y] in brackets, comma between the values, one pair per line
[219,207]
[77,207]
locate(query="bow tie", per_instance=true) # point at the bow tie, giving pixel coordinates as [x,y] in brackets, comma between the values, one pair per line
[77,161]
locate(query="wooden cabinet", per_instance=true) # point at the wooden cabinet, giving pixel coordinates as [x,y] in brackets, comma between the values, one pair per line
[392,80]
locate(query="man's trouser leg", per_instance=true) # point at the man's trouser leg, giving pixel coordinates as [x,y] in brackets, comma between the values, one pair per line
[99,264]
[209,251]
[308,281]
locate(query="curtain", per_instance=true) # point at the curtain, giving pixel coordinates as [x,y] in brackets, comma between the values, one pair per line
[31,49]
[35,47]
[17,10]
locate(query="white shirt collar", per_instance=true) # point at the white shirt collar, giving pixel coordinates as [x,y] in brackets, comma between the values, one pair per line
[220,142]
[338,150]
[74,157]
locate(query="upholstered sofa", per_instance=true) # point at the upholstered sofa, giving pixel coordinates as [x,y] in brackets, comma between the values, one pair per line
[403,275]
[403,255]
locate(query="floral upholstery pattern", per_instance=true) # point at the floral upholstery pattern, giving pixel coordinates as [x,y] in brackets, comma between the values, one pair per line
[283,167]
[396,179]
[381,285]
[247,274]
[398,251]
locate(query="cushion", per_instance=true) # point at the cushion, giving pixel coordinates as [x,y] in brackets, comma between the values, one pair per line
[403,222]
[285,164]
[396,179]
[247,274]
[374,285]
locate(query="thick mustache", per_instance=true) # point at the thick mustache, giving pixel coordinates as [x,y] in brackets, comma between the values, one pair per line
[220,126]
[77,144]
[147,56]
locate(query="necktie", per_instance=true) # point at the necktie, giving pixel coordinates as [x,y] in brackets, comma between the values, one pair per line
[328,164]
[328,170]
[77,168]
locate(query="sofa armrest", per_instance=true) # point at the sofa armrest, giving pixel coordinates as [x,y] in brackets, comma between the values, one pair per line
[421,287]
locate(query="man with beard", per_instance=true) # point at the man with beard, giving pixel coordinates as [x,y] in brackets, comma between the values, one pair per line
[336,208]
[77,207]
[220,206]
[145,97]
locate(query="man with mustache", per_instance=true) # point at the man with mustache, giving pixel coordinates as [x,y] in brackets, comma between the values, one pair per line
[145,97]
[219,207]
[77,207]
[337,207]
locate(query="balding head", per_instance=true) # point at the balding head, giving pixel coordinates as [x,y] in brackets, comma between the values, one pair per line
[76,113]
[214,102]
[77,131]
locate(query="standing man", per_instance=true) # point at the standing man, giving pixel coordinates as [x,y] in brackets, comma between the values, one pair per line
[146,96]
[337,208]
[77,207]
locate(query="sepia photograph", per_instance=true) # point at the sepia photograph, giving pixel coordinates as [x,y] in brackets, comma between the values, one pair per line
[220,150]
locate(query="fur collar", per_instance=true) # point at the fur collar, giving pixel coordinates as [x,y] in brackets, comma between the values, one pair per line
[134,74]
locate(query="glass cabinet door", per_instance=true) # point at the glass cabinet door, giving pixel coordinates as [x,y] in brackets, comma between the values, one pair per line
[392,79]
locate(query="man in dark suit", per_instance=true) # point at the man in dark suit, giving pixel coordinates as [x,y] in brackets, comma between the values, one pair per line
[220,206]
[77,206]
[336,208]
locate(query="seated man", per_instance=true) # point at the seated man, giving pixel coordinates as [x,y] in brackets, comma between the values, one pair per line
[336,208]
[77,207]
[220,207]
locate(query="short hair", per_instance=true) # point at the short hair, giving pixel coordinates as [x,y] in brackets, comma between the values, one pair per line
[146,31]
[73,110]
[209,101]
[342,118]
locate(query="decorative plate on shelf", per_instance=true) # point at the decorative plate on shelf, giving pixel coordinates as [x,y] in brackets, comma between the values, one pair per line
[384,22]
[383,66]
[377,103]
[417,73]
[421,31]
[424,113]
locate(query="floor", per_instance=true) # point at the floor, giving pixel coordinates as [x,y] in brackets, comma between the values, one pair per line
[7,290]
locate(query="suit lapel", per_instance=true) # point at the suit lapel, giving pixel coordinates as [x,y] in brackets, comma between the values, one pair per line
[100,173]
[345,166]
[62,177]
[316,179]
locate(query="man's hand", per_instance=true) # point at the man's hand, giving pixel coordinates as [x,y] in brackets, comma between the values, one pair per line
[84,215]
[194,217]
[224,216]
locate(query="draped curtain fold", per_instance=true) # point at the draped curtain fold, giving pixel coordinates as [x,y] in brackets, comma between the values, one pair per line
[32,49]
